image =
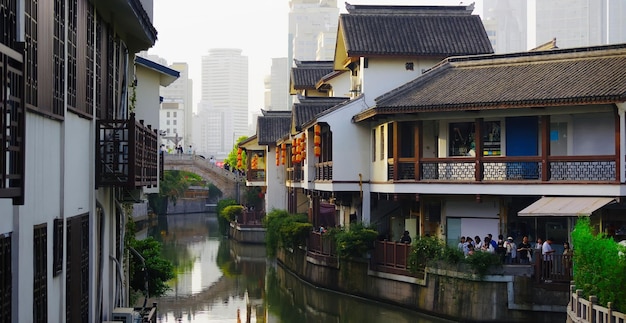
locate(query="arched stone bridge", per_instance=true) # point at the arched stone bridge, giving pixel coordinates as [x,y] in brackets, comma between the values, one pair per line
[231,184]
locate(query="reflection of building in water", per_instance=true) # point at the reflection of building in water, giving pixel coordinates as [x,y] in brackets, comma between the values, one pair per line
[213,276]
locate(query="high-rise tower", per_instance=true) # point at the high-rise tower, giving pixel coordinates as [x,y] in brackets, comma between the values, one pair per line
[312,23]
[223,106]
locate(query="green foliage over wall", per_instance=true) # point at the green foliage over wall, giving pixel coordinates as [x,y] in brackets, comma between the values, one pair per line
[599,269]
[432,251]
[285,230]
[355,241]
[231,212]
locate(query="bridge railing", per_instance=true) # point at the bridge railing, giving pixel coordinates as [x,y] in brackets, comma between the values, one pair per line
[172,159]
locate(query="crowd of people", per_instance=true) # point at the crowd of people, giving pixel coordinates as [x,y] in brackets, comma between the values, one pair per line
[511,252]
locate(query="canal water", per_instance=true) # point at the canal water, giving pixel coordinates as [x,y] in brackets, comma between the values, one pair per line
[220,280]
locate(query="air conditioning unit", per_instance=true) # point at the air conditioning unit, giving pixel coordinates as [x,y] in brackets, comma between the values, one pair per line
[126,315]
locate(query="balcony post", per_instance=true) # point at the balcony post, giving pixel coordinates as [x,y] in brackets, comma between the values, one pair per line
[478,148]
[545,147]
[418,151]
[620,159]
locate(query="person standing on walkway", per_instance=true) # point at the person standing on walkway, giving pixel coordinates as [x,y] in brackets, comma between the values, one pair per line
[524,251]
[511,251]
[548,254]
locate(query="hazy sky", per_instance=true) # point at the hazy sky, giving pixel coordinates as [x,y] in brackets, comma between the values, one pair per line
[187,29]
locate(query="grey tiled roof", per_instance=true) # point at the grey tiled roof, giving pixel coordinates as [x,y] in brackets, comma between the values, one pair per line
[306,74]
[272,126]
[307,109]
[591,75]
[413,31]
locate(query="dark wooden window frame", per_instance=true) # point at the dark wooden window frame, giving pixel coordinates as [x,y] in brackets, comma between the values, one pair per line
[6,286]
[57,260]
[40,273]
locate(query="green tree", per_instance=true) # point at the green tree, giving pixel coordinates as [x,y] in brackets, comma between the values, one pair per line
[151,269]
[598,266]
[157,270]
[231,160]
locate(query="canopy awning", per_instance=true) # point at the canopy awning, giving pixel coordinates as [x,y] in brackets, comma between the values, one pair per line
[565,206]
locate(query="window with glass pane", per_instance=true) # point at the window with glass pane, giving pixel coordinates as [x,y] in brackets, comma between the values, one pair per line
[461,139]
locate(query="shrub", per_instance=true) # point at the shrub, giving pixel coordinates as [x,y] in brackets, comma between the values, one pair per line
[481,261]
[355,241]
[285,230]
[231,212]
[598,267]
[423,251]
[428,250]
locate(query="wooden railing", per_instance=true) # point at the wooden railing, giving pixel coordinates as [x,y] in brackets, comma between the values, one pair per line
[256,175]
[503,168]
[558,269]
[580,310]
[321,244]
[391,257]
[324,171]
[251,218]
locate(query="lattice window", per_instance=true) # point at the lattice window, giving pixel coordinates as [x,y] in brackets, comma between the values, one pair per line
[8,32]
[11,123]
[57,261]
[77,269]
[58,90]
[72,42]
[40,274]
[111,71]
[99,65]
[31,37]
[5,278]
[90,59]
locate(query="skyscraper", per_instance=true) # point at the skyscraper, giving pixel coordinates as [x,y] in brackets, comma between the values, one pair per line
[223,107]
[178,96]
[312,23]
[518,25]
[278,86]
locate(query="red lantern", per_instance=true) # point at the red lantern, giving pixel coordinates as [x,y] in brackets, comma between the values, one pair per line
[317,140]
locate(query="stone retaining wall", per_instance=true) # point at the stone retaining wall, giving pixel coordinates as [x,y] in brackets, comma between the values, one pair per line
[444,293]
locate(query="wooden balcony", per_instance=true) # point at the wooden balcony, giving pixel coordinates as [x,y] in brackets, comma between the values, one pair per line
[256,175]
[126,154]
[12,123]
[502,169]
[295,174]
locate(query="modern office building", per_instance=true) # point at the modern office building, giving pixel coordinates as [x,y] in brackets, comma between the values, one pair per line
[514,25]
[177,108]
[224,101]
[309,22]
[277,85]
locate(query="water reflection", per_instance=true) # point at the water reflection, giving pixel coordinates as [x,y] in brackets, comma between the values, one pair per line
[219,280]
[293,300]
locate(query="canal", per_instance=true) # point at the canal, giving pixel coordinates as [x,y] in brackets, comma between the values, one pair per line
[220,280]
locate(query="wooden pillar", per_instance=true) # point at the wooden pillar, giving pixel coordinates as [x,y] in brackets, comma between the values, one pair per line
[545,147]
[478,148]
[418,150]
